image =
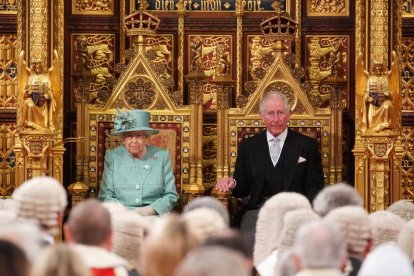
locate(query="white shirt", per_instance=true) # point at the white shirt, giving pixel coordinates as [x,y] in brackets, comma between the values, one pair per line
[282,137]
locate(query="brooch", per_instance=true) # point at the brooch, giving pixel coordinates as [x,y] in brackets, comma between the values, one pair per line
[155,157]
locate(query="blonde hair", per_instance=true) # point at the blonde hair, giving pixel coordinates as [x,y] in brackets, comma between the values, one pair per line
[59,260]
[166,246]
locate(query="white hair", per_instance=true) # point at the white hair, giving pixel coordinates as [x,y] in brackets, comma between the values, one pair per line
[203,222]
[277,95]
[406,239]
[355,226]
[385,260]
[270,222]
[41,199]
[319,244]
[386,227]
[335,196]
[403,208]
[208,202]
[291,224]
[25,234]
[129,231]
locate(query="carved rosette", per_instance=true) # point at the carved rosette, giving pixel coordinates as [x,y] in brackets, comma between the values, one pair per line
[285,89]
[140,93]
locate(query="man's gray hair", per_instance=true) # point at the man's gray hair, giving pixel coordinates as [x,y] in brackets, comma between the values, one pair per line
[320,244]
[213,260]
[277,95]
[338,195]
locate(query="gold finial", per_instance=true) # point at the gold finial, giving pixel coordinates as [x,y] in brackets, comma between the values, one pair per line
[276,6]
[143,5]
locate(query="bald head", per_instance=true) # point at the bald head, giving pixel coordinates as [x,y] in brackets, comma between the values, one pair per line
[89,223]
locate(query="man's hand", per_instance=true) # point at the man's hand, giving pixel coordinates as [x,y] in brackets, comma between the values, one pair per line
[145,211]
[225,184]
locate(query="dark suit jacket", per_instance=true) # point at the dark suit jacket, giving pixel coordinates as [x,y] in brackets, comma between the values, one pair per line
[304,177]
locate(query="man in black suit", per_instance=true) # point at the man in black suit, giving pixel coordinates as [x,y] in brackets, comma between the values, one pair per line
[272,161]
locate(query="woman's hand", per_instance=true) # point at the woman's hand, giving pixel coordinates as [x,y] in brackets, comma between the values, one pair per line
[145,211]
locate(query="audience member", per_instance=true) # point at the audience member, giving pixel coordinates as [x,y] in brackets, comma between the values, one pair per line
[356,228]
[208,202]
[320,249]
[406,239]
[27,235]
[130,230]
[234,240]
[204,222]
[334,196]
[403,208]
[385,260]
[167,245]
[286,265]
[59,260]
[43,200]
[89,228]
[270,222]
[386,227]
[213,260]
[292,221]
[13,261]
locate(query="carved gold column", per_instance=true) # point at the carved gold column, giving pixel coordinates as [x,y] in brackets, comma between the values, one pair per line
[40,33]
[378,150]
[196,81]
[180,62]
[239,49]
[336,82]
[224,95]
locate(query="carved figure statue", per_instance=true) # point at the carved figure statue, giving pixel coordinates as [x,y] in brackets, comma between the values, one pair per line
[197,53]
[222,62]
[39,94]
[378,97]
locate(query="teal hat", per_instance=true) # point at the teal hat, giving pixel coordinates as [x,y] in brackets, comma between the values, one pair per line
[132,120]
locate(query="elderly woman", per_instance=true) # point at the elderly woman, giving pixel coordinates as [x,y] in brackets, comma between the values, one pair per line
[136,174]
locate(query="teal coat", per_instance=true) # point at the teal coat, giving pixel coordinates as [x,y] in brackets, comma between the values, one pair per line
[139,182]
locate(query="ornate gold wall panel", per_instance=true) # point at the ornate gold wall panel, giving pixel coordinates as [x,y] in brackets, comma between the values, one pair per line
[322,53]
[93,63]
[407,75]
[327,8]
[209,155]
[407,184]
[86,7]
[7,159]
[379,31]
[38,29]
[8,7]
[214,55]
[8,72]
